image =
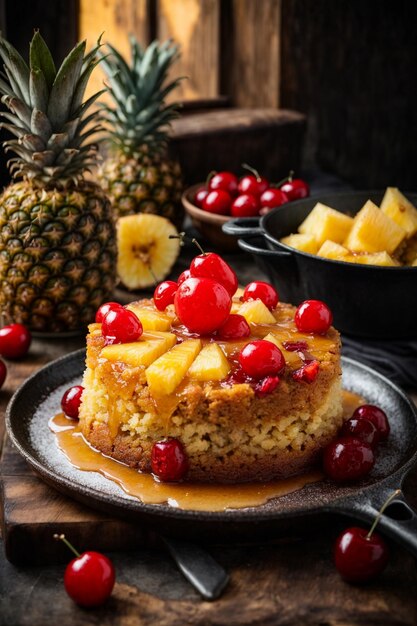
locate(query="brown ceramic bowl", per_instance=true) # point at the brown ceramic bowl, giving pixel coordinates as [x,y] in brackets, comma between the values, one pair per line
[208,224]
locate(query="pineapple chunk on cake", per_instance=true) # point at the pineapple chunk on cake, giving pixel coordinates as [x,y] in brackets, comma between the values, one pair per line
[305,243]
[399,208]
[255,312]
[210,364]
[326,223]
[167,372]
[291,358]
[373,231]
[146,253]
[149,318]
[140,353]
[334,251]
[375,258]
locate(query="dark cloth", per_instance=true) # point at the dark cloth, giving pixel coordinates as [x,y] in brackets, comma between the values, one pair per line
[397,360]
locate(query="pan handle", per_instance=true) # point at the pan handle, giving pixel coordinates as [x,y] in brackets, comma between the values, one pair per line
[253,249]
[399,520]
[243,227]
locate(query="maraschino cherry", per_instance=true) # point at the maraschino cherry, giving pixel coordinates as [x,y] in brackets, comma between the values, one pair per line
[295,188]
[348,458]
[105,308]
[164,294]
[211,265]
[261,358]
[15,340]
[361,429]
[313,316]
[245,205]
[71,401]
[3,373]
[200,196]
[121,326]
[217,201]
[361,555]
[224,181]
[307,373]
[253,184]
[169,460]
[259,290]
[202,305]
[272,198]
[375,415]
[89,578]
[183,276]
[235,327]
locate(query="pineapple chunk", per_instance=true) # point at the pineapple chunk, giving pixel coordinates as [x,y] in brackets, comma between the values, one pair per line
[211,364]
[398,208]
[332,250]
[305,243]
[326,223]
[373,231]
[150,319]
[376,258]
[166,373]
[140,352]
[414,263]
[256,312]
[291,358]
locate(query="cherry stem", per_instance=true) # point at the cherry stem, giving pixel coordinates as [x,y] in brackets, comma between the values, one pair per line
[253,170]
[285,180]
[381,511]
[67,543]
[183,237]
[210,176]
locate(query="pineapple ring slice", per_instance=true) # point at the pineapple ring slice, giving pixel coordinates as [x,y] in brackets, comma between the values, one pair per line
[146,254]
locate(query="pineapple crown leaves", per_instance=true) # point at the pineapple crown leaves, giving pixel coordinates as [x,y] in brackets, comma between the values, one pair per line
[46,113]
[140,115]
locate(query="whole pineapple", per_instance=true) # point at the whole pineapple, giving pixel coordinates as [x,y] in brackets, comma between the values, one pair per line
[137,175]
[57,237]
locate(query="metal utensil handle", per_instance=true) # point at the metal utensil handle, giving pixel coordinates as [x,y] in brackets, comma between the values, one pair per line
[198,567]
[243,227]
[250,247]
[399,521]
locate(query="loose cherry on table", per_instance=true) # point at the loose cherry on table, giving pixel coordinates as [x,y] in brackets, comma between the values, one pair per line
[361,555]
[272,198]
[313,316]
[348,458]
[245,205]
[15,340]
[169,460]
[361,428]
[89,578]
[121,326]
[211,265]
[375,415]
[217,201]
[105,308]
[224,181]
[3,373]
[202,305]
[259,290]
[295,188]
[235,327]
[253,184]
[261,358]
[71,401]
[164,294]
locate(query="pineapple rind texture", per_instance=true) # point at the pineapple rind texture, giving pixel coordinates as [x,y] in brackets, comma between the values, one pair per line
[326,223]
[146,253]
[373,231]
[210,364]
[400,209]
[167,372]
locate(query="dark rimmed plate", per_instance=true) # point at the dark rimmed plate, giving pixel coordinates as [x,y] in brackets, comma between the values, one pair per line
[38,399]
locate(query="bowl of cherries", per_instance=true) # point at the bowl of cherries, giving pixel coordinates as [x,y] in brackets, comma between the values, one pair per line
[225,195]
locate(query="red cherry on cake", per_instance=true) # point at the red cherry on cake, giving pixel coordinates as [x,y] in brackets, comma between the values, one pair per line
[259,290]
[105,308]
[71,401]
[272,198]
[245,205]
[3,373]
[348,458]
[122,326]
[89,578]
[164,294]
[224,181]
[217,201]
[361,428]
[15,340]
[202,305]
[200,196]
[313,316]
[375,415]
[295,188]
[169,460]
[183,276]
[211,265]
[266,386]
[261,358]
[235,327]
[307,373]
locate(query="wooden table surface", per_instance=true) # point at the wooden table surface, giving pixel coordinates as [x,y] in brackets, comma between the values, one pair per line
[292,582]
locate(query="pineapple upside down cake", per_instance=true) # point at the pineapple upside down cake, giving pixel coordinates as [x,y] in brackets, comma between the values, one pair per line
[208,382]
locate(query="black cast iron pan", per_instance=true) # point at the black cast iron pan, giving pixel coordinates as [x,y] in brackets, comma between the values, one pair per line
[38,399]
[366,300]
